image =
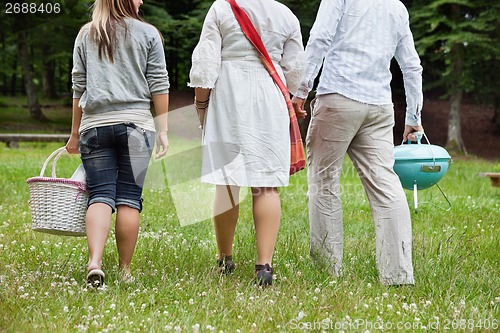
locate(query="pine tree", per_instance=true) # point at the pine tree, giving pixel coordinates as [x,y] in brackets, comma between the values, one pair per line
[454,39]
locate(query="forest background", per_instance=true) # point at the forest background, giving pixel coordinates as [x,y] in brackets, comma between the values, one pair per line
[457,41]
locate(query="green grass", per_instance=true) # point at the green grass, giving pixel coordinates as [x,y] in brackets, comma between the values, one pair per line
[15,118]
[456,262]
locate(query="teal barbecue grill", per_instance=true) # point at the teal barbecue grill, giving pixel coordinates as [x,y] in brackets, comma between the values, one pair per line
[420,166]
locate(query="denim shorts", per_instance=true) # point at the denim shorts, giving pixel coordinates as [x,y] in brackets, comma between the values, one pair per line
[116,159]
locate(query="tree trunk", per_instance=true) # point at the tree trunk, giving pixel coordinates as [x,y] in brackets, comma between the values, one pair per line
[28,76]
[454,141]
[174,76]
[69,83]
[49,78]
[496,106]
[4,62]
[13,79]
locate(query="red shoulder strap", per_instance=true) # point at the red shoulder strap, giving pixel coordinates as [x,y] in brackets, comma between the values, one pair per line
[253,36]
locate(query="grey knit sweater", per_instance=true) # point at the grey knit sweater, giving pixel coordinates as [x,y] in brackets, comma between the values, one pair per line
[138,71]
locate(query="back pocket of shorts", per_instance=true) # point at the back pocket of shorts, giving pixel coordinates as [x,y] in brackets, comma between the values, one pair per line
[137,139]
[89,141]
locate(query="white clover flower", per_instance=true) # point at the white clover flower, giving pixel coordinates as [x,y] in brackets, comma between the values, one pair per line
[301,315]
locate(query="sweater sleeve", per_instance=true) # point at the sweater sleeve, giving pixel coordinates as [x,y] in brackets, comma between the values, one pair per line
[79,71]
[156,70]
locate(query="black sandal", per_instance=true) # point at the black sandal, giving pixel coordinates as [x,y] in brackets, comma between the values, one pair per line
[264,275]
[226,265]
[95,278]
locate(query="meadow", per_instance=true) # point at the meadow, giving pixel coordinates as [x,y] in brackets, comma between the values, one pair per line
[456,262]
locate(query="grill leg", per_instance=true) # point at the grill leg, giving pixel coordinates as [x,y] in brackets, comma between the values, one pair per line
[447,200]
[415,197]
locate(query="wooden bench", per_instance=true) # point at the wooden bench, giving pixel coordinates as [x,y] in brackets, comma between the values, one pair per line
[12,139]
[494,177]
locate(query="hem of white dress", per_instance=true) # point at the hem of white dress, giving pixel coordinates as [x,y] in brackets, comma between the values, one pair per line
[232,183]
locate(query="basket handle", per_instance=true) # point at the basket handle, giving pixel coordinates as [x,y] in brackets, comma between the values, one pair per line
[57,153]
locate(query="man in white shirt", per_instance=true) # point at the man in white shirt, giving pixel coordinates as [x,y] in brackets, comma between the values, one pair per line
[354,41]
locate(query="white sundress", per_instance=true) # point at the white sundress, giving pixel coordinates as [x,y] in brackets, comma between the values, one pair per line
[246,131]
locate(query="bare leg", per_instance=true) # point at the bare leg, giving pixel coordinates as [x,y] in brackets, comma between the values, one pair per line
[266,215]
[226,211]
[98,223]
[127,232]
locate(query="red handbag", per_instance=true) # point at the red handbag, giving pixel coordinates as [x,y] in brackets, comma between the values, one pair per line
[297,155]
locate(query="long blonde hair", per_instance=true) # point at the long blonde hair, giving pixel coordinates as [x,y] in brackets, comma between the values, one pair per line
[106,15]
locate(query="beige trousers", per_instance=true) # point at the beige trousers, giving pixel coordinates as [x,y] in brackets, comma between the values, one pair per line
[339,125]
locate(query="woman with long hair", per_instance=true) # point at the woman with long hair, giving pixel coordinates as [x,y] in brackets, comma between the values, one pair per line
[245,120]
[119,68]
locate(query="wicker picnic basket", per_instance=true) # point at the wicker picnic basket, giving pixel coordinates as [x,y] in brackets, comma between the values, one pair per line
[58,205]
